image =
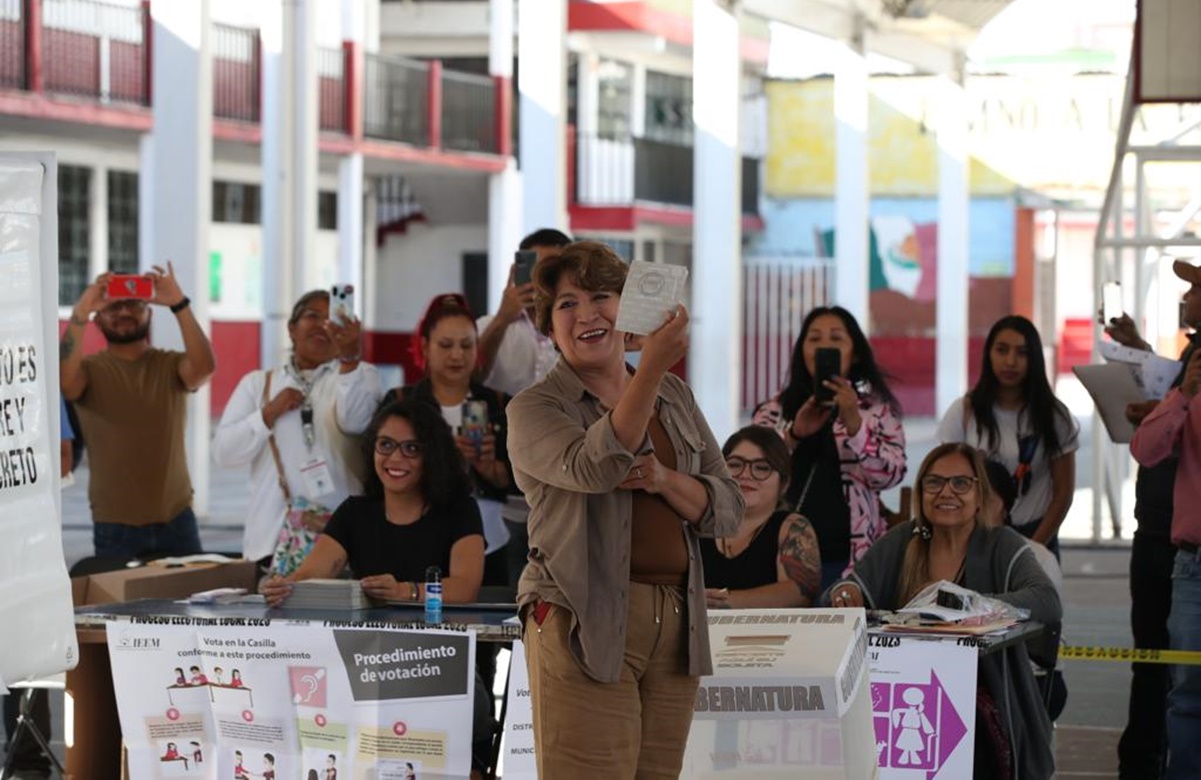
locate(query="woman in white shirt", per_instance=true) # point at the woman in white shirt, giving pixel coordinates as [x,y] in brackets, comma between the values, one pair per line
[1012,414]
[314,405]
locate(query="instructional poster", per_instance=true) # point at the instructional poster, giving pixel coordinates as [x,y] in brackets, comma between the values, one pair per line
[243,699]
[35,593]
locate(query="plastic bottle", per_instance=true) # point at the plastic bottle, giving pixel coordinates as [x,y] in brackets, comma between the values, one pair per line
[433,595]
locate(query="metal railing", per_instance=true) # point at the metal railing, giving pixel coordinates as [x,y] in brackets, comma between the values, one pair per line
[396,99]
[12,45]
[237,73]
[468,112]
[777,292]
[331,89]
[617,171]
[94,49]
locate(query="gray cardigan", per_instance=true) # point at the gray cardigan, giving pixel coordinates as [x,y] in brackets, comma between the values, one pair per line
[999,564]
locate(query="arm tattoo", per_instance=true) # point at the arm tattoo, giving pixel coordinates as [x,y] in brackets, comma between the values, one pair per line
[66,346]
[800,558]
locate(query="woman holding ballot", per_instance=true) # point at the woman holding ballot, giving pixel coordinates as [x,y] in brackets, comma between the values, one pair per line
[1013,415]
[773,560]
[622,474]
[951,539]
[417,512]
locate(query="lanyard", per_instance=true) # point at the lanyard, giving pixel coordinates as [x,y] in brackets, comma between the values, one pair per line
[306,389]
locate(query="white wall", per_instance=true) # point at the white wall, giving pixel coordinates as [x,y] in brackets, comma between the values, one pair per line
[241,255]
[414,267]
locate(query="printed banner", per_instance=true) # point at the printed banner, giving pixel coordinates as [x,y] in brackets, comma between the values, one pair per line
[241,699]
[923,706]
[35,593]
[518,756]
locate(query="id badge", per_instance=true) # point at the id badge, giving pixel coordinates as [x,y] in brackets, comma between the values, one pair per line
[318,480]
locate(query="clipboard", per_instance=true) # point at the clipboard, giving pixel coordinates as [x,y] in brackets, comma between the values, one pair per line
[1113,386]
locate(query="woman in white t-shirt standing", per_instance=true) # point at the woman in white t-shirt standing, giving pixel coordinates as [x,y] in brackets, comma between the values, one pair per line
[1012,414]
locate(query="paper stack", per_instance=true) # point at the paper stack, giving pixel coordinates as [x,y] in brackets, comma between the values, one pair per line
[328,594]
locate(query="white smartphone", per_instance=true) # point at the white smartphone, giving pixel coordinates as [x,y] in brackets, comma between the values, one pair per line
[341,304]
[1111,302]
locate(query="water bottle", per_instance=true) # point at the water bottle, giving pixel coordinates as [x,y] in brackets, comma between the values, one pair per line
[433,595]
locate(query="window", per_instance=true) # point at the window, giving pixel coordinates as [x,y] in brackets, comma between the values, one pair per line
[236,202]
[613,100]
[123,222]
[327,211]
[669,108]
[74,232]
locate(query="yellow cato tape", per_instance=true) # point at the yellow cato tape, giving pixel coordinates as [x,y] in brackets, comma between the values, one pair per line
[1130,655]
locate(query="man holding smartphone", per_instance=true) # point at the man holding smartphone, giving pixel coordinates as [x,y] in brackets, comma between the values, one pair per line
[132,404]
[1165,571]
[513,354]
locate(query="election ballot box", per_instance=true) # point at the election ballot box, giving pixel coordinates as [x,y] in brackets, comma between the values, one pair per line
[788,698]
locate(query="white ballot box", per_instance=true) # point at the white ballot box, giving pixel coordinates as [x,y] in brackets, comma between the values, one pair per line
[788,698]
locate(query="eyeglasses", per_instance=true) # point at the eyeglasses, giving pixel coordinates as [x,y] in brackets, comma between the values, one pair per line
[409,448]
[933,484]
[760,468]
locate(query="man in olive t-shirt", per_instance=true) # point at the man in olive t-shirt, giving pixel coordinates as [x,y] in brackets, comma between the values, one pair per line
[132,404]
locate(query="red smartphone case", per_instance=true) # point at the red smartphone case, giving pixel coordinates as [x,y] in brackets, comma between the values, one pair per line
[122,286]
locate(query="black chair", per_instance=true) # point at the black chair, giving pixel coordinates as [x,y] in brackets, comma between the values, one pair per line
[27,727]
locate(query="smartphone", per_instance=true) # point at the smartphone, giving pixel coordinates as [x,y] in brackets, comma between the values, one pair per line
[475,420]
[827,364]
[1111,301]
[125,286]
[341,304]
[523,266]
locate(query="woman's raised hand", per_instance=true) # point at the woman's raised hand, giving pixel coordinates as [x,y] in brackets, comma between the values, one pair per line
[665,346]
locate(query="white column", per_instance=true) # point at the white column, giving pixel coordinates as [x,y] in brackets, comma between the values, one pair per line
[638,101]
[98,220]
[350,181]
[542,83]
[289,161]
[715,353]
[146,208]
[181,176]
[953,262]
[504,188]
[852,278]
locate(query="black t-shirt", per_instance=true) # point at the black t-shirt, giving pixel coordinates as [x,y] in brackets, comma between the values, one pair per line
[753,567]
[375,546]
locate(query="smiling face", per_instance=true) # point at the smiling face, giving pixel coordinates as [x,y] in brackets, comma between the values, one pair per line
[311,345]
[945,508]
[1009,359]
[399,472]
[827,330]
[450,351]
[759,494]
[582,326]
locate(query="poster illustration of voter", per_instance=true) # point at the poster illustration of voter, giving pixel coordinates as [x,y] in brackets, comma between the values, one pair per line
[286,700]
[924,719]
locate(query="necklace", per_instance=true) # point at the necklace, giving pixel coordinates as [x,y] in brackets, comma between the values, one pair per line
[725,546]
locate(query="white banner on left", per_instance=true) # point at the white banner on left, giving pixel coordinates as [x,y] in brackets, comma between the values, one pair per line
[35,593]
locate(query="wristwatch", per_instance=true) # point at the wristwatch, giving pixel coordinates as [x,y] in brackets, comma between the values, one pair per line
[414,593]
[183,304]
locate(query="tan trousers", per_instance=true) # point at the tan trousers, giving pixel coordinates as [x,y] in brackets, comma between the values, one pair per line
[633,729]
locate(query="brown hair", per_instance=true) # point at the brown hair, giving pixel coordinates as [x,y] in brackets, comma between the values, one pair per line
[915,570]
[590,264]
[303,302]
[442,307]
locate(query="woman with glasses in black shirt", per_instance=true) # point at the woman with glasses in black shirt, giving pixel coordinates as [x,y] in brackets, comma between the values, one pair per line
[773,560]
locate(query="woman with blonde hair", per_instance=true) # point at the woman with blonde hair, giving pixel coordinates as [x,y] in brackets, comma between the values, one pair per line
[952,537]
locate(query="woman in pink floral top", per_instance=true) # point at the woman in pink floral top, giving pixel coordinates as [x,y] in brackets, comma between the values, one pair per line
[844,452]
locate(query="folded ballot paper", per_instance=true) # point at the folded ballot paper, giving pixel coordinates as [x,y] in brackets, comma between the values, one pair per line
[1154,373]
[651,291]
[1129,376]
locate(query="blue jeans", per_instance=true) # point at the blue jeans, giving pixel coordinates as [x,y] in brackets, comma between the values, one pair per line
[178,536]
[1184,700]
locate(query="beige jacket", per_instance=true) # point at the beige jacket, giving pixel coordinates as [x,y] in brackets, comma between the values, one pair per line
[568,462]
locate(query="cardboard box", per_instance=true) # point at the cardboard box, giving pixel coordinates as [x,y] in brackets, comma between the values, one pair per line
[160,582]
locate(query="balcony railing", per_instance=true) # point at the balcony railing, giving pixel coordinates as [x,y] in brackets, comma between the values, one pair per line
[396,99]
[101,49]
[237,73]
[331,89]
[620,171]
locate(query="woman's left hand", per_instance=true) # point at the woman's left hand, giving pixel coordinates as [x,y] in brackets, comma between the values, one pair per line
[717,598]
[846,401]
[647,474]
[383,586]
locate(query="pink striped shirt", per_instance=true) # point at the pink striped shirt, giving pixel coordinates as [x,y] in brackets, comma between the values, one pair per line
[1175,426]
